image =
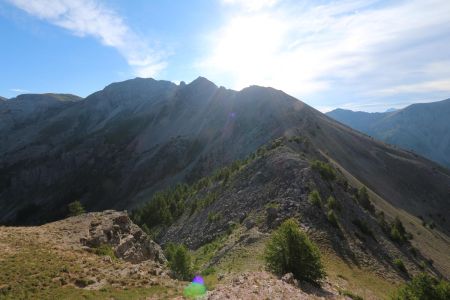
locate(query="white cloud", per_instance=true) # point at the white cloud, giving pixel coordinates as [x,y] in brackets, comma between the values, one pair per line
[92,18]
[304,48]
[19,91]
[252,5]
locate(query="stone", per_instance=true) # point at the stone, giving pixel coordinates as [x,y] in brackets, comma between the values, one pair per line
[128,241]
[289,278]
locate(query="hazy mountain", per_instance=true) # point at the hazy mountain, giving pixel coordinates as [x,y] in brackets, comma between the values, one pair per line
[423,128]
[118,146]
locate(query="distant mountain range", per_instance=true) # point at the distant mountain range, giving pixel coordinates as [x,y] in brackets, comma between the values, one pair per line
[423,128]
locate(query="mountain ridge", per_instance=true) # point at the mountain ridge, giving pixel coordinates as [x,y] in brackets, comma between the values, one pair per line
[159,134]
[421,127]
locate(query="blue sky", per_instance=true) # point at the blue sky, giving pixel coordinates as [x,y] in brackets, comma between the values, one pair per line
[363,55]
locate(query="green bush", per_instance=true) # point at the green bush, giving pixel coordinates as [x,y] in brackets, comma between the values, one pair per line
[314,198]
[179,260]
[105,250]
[333,204]
[75,208]
[398,232]
[364,200]
[213,217]
[290,250]
[326,170]
[400,265]
[331,216]
[424,287]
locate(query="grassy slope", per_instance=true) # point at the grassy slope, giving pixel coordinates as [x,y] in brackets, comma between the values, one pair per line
[431,243]
[342,275]
[33,270]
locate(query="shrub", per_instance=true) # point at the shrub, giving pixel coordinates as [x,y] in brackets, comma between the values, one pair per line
[424,287]
[212,217]
[290,250]
[350,295]
[75,208]
[314,198]
[331,216]
[332,203]
[398,232]
[179,261]
[326,170]
[400,265]
[363,227]
[105,250]
[364,200]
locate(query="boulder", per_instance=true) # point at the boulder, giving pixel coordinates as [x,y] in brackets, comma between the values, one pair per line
[128,241]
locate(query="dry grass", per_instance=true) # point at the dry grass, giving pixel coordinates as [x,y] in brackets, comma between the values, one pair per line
[30,269]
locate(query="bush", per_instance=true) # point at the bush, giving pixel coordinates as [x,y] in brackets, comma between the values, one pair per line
[290,250]
[332,203]
[424,287]
[105,250]
[331,216]
[363,227]
[398,232]
[213,217]
[179,261]
[326,170]
[400,265]
[314,198]
[364,200]
[75,209]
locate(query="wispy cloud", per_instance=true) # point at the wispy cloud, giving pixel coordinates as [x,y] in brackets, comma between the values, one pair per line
[93,18]
[252,5]
[19,91]
[307,47]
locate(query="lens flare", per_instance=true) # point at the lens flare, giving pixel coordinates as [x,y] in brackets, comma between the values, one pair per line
[195,289]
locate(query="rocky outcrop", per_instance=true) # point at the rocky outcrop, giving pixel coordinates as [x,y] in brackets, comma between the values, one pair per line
[128,241]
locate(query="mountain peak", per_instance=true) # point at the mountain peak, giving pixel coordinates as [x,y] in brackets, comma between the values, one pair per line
[202,82]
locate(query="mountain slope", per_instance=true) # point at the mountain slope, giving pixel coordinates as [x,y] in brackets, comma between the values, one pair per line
[423,128]
[118,146]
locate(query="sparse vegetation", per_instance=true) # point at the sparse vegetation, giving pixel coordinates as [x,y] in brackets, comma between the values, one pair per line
[332,204]
[314,198]
[363,227]
[213,217]
[75,208]
[105,250]
[331,216]
[180,261]
[326,170]
[290,250]
[398,232]
[350,295]
[424,287]
[400,265]
[364,200]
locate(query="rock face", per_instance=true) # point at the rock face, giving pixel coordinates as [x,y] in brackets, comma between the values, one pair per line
[129,242]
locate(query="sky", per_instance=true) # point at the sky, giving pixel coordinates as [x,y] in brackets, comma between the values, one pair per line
[361,55]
